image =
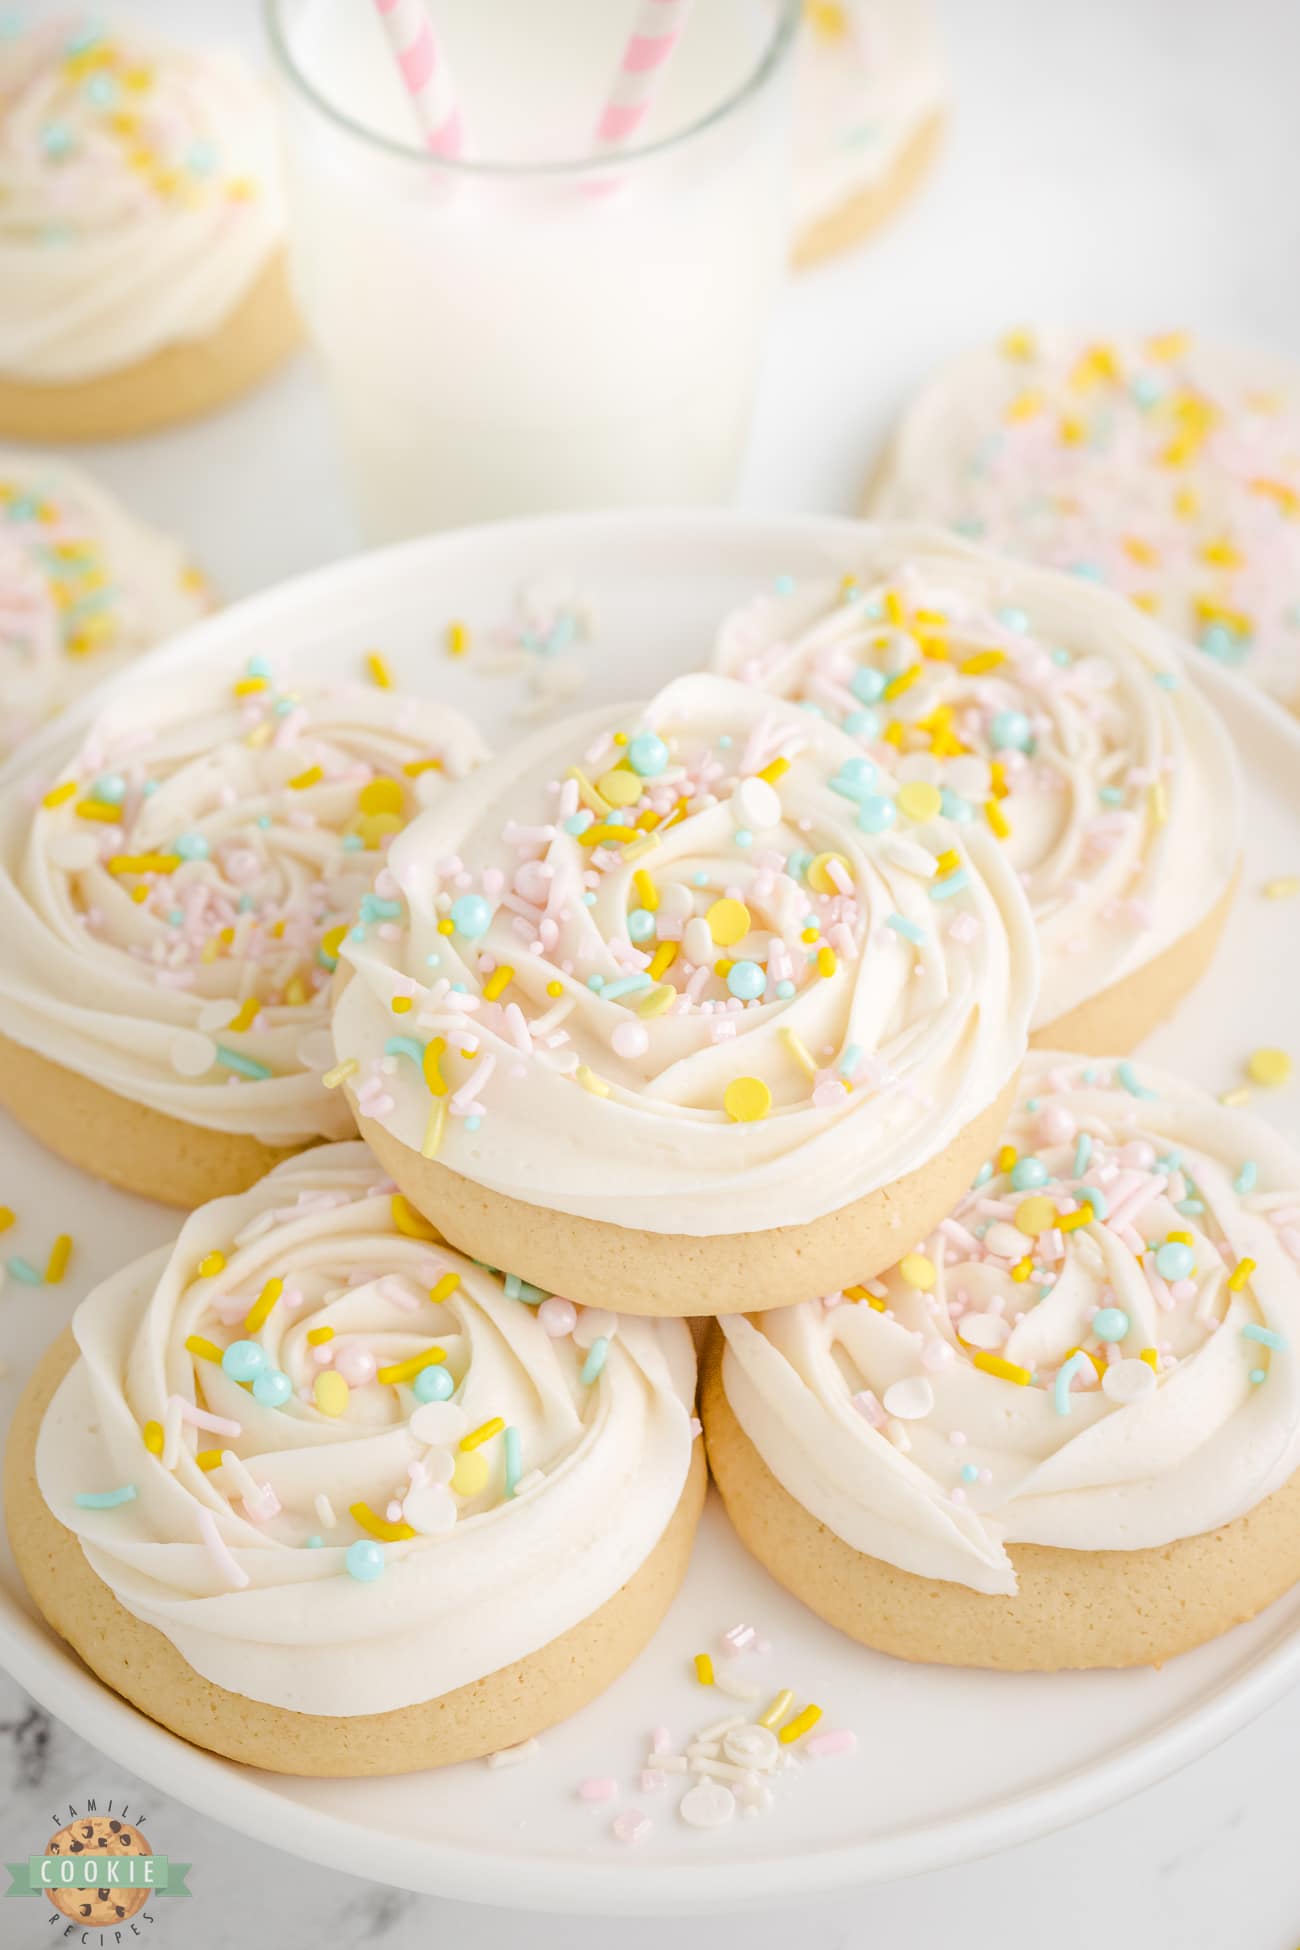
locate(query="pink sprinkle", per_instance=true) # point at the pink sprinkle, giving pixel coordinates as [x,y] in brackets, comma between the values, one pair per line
[630,1826]
[201,1419]
[557,1316]
[598,1787]
[661,1739]
[218,1550]
[963,928]
[652,1780]
[836,1740]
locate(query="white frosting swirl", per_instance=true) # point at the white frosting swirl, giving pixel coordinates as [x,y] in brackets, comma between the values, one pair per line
[236,1543]
[869,76]
[1109,1387]
[139,196]
[1168,469]
[731,988]
[83,588]
[173,890]
[1049,708]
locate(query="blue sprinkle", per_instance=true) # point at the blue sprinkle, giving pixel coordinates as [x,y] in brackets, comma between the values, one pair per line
[814,710]
[746,980]
[1027,1174]
[1172,1161]
[56,139]
[1062,659]
[1011,731]
[1128,1077]
[876,814]
[473,1123]
[854,779]
[648,755]
[954,807]
[1097,1200]
[433,961]
[701,879]
[1266,1336]
[364,1560]
[863,724]
[244,1360]
[517,1289]
[901,925]
[742,836]
[264,821]
[375,909]
[798,863]
[595,1360]
[1246,1178]
[867,684]
[1175,1261]
[1145,389]
[176,916]
[1087,571]
[1110,1323]
[433,1384]
[102,90]
[471,916]
[640,924]
[406,1046]
[1191,1208]
[1082,1153]
[850,1059]
[595,983]
[22,1269]
[272,1388]
[1219,642]
[952,883]
[110,790]
[1064,1375]
[579,822]
[201,159]
[258,667]
[626,985]
[283,706]
[105,1499]
[244,1066]
[1257,1375]
[192,846]
[784,585]
[588,898]
[315,1544]
[513,1461]
[1111,795]
[785,990]
[1167,680]
[1014,619]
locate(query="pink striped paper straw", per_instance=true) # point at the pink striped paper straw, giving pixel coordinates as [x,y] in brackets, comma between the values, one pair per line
[425,74]
[658,29]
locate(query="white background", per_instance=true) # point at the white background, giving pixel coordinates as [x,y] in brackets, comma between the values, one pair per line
[1121,162]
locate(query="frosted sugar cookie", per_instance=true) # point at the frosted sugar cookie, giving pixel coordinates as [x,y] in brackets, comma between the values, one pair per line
[870,96]
[1166,468]
[1063,1430]
[1055,716]
[83,588]
[685,1002]
[142,276]
[174,886]
[322,1496]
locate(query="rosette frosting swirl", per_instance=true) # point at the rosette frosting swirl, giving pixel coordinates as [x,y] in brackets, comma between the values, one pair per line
[139,196]
[1164,467]
[690,963]
[83,587]
[1095,1351]
[1048,712]
[324,1454]
[174,891]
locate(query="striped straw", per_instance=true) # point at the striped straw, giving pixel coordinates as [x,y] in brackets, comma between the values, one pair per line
[657,31]
[425,74]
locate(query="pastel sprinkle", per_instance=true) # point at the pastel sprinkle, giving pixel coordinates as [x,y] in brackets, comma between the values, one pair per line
[909,929]
[795,1729]
[1266,1336]
[57,1264]
[704,1668]
[1269,1067]
[1128,1077]
[105,1499]
[595,1361]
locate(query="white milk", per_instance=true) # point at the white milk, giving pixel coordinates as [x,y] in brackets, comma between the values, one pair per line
[497,343]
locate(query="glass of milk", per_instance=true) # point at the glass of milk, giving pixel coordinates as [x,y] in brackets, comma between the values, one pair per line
[532,327]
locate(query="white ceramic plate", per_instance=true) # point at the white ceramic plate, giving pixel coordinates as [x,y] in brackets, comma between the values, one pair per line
[949,1764]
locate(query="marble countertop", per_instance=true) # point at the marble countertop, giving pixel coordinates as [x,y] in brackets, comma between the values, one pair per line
[1128,163]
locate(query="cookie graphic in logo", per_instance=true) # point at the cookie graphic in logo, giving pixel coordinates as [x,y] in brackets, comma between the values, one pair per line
[95,1835]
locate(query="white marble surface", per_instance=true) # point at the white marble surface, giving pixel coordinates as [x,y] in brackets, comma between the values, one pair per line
[1128,162]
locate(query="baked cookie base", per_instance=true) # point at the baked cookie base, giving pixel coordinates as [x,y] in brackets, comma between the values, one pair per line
[1116,1019]
[857,217]
[138,1662]
[179,382]
[632,1272]
[129,1145]
[1074,1609]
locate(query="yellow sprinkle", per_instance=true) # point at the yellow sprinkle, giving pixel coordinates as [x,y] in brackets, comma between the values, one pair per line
[1007,1155]
[639,848]
[380,796]
[646,891]
[245,1018]
[312,776]
[1019,345]
[153,1438]
[1152,1358]
[407,1370]
[1269,1067]
[777,1709]
[330,1393]
[728,922]
[409,1221]
[1159,802]
[799,1051]
[1022,1269]
[497,982]
[457,639]
[555,990]
[826,962]
[621,787]
[58,795]
[401,1005]
[601,835]
[587,793]
[1073,1221]
[819,877]
[6,1218]
[143,863]
[918,799]
[1024,407]
[662,960]
[210,1265]
[57,1263]
[747,1100]
[295,992]
[1221,554]
[95,809]
[483,1433]
[590,1081]
[948,861]
[918,1271]
[796,1728]
[809,934]
[723,968]
[470,1475]
[1239,1275]
[656,1001]
[319,1336]
[903,681]
[387,1533]
[415,766]
[431,1142]
[434,1050]
[378,671]
[997,819]
[776,770]
[982,662]
[704,1668]
[1183,1238]
[206,1350]
[445,1288]
[895,612]
[1234,1099]
[1287,499]
[249,686]
[1282,889]
[1034,1216]
[259,1313]
[208,1459]
[1005,1370]
[340,1073]
[1167,347]
[998,774]
[860,1293]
